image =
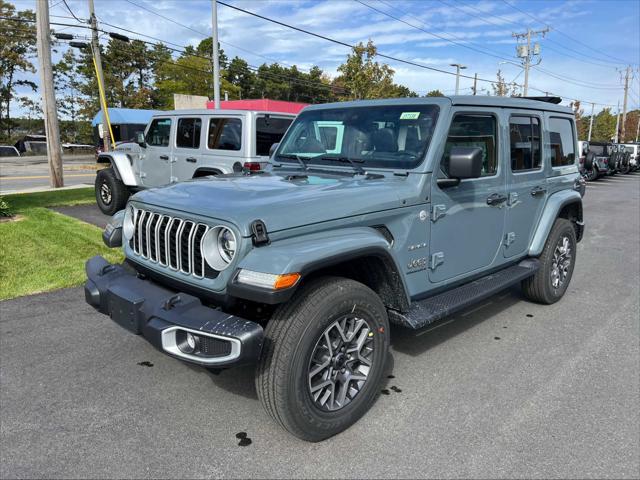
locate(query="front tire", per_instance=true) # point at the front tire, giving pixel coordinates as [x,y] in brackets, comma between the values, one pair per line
[111,193]
[557,261]
[323,358]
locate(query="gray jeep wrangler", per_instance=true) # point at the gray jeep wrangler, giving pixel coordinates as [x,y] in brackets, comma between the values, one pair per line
[372,212]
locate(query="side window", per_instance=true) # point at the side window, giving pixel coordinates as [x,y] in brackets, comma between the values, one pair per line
[158,133]
[473,130]
[561,141]
[269,130]
[526,147]
[188,133]
[225,134]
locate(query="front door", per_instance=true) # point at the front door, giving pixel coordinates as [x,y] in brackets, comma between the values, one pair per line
[468,219]
[526,182]
[156,164]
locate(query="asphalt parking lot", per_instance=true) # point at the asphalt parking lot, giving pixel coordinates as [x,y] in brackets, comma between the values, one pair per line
[507,389]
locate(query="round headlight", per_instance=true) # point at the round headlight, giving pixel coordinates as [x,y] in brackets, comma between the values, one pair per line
[127,224]
[219,247]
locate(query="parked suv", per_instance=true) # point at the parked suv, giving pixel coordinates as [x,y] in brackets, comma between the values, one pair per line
[185,144]
[602,153]
[396,211]
[634,155]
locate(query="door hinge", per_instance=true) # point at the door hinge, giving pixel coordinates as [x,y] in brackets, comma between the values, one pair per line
[513,199]
[173,160]
[436,259]
[173,179]
[438,211]
[509,238]
[142,175]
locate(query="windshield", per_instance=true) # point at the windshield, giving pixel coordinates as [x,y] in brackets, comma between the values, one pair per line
[389,136]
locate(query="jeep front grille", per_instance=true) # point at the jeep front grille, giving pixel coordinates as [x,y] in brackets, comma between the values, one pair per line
[170,242]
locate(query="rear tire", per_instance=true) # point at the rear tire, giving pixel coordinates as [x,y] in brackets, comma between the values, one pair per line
[306,362]
[111,193]
[557,261]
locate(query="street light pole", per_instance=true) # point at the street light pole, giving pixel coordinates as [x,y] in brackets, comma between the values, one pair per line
[216,58]
[458,68]
[591,121]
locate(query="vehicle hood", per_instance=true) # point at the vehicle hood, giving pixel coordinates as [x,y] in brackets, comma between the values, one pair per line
[281,203]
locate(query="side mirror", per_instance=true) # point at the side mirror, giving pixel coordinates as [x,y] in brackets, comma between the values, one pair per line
[465,162]
[140,140]
[273,149]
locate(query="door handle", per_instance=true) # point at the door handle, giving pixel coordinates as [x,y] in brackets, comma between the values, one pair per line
[537,191]
[192,159]
[164,157]
[496,199]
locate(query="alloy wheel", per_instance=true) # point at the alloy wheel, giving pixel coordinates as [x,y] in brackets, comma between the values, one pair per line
[340,363]
[562,257]
[105,193]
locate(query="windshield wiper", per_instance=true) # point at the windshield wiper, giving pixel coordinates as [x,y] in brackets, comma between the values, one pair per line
[294,157]
[345,159]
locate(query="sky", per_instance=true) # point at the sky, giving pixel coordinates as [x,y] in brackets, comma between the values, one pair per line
[583,57]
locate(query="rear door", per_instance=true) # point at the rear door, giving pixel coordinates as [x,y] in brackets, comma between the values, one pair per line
[526,181]
[186,158]
[156,164]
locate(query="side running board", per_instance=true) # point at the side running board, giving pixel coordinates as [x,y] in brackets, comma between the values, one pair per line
[435,308]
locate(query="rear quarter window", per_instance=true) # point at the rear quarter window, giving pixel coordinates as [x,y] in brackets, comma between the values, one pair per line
[562,143]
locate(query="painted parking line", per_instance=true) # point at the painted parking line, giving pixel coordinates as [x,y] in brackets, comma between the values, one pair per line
[37,177]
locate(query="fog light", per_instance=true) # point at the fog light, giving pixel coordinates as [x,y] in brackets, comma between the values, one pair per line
[187,342]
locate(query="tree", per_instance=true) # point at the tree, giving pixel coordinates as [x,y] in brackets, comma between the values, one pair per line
[68,81]
[434,93]
[17,47]
[604,126]
[33,109]
[239,74]
[365,78]
[503,89]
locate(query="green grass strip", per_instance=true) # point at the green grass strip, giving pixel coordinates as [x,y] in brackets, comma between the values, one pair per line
[43,250]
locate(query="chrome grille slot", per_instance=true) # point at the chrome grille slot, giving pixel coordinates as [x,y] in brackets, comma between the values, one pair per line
[185,246]
[163,227]
[172,239]
[196,245]
[170,242]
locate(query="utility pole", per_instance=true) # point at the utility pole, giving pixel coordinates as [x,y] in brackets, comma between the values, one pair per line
[458,68]
[593,105]
[95,46]
[526,53]
[216,55]
[617,123]
[475,84]
[52,131]
[638,129]
[624,104]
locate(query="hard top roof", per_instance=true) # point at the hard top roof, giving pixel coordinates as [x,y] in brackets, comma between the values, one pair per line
[470,100]
[209,111]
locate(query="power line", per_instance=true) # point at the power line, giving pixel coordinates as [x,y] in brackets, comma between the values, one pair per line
[560,32]
[470,47]
[71,12]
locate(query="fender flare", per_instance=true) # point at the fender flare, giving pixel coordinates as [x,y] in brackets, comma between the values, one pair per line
[121,163]
[552,209]
[208,171]
[308,254]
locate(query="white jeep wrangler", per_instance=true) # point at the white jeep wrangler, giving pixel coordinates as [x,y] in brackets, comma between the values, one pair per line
[185,144]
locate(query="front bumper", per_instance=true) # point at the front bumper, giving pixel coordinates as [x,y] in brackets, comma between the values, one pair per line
[164,317]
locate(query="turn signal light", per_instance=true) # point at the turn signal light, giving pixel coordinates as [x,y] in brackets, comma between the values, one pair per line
[285,281]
